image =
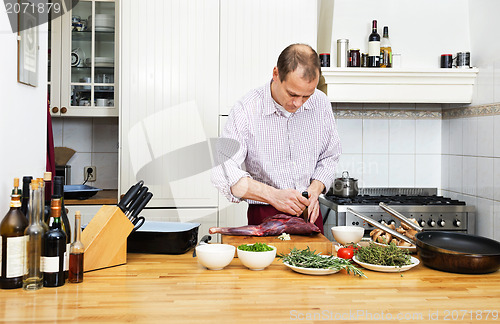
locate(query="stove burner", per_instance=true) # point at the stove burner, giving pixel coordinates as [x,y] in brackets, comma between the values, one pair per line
[396,200]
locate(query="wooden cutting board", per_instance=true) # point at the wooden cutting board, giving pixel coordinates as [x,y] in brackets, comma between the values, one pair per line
[317,242]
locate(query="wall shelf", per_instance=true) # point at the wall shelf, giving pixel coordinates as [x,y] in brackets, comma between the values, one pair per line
[398,85]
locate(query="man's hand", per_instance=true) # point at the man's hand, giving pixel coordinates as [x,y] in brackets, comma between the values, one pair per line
[314,190]
[289,201]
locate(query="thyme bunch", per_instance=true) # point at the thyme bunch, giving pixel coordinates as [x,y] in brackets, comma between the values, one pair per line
[309,259]
[390,255]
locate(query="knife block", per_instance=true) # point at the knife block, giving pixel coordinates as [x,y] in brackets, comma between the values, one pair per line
[105,239]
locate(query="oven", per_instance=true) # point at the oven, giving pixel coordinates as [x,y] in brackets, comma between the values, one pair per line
[432,212]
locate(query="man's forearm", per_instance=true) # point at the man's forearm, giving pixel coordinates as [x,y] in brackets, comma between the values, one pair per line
[316,187]
[248,188]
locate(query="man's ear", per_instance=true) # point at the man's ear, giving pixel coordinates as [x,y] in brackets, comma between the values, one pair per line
[276,76]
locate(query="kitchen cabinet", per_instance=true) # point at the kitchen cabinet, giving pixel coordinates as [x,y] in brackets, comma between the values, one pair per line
[83,52]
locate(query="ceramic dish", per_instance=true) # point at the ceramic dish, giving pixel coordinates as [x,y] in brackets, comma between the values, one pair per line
[311,271]
[412,248]
[380,268]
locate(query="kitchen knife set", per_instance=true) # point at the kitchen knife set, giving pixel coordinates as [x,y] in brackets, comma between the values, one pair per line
[134,201]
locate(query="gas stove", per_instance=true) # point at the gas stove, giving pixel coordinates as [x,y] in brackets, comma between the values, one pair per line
[432,212]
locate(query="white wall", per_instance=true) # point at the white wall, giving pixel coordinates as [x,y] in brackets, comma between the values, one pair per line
[23,126]
[471,142]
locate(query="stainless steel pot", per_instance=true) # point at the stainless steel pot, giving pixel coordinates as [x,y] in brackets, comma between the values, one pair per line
[345,186]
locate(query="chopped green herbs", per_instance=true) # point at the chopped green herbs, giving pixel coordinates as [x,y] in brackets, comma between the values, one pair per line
[385,256]
[257,247]
[309,259]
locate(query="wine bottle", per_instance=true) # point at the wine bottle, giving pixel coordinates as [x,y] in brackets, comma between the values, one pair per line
[374,47]
[13,243]
[41,206]
[385,50]
[59,194]
[33,279]
[76,254]
[26,195]
[54,248]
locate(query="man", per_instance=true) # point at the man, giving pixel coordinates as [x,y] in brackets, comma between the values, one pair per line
[280,140]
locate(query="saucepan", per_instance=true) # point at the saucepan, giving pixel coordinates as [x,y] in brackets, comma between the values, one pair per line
[345,186]
[446,251]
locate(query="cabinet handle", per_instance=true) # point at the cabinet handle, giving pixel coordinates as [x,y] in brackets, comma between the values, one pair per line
[55,110]
[64,110]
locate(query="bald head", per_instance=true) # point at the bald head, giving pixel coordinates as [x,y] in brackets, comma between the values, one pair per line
[299,55]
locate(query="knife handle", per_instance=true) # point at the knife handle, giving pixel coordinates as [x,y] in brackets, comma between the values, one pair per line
[137,200]
[127,198]
[143,204]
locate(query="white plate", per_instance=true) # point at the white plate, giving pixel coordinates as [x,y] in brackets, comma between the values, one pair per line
[374,267]
[412,248]
[311,271]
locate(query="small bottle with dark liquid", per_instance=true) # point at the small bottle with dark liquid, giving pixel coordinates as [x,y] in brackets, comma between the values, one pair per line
[76,254]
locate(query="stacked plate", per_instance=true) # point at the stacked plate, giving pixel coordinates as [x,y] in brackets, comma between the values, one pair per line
[103,22]
[101,61]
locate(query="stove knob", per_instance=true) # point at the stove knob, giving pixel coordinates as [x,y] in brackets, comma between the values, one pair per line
[441,223]
[392,221]
[457,223]
[382,222]
[431,223]
[422,223]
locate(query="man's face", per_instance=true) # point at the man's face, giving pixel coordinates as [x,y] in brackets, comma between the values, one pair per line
[294,91]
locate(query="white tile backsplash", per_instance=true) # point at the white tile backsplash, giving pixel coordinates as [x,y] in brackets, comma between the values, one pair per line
[484,220]
[469,136]
[402,170]
[351,135]
[496,136]
[496,176]
[485,136]
[428,171]
[469,175]
[375,136]
[375,170]
[496,221]
[445,175]
[402,136]
[95,141]
[352,163]
[428,136]
[445,136]
[456,135]
[455,173]
[485,179]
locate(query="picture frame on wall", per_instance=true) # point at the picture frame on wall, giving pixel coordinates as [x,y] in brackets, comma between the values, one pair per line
[27,45]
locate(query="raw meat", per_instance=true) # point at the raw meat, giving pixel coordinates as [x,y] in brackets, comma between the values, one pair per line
[274,225]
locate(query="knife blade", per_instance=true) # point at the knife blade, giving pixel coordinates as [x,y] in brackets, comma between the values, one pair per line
[129,195]
[136,201]
[141,206]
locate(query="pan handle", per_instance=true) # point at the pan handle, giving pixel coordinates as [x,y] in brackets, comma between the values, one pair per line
[400,216]
[382,227]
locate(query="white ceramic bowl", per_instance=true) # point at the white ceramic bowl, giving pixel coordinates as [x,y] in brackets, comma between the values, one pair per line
[215,256]
[257,260]
[348,234]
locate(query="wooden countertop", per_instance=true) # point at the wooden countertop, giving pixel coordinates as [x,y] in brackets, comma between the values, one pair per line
[104,197]
[175,288]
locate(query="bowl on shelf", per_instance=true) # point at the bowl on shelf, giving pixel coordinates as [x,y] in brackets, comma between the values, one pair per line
[348,234]
[215,256]
[257,260]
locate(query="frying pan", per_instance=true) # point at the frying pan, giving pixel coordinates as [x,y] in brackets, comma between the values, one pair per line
[447,251]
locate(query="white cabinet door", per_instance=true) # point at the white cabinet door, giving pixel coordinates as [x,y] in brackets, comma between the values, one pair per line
[253,34]
[169,97]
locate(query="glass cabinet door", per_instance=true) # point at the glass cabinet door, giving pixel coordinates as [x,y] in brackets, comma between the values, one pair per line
[92,54]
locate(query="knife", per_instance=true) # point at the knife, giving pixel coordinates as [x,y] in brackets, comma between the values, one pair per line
[136,201]
[131,193]
[141,206]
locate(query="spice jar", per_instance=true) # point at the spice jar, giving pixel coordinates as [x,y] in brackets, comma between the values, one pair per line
[354,58]
[364,60]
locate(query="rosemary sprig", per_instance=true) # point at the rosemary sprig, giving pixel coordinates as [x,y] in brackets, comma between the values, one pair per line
[390,255]
[309,259]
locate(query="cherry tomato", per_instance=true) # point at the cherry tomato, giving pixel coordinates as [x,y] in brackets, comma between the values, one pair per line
[353,246]
[345,253]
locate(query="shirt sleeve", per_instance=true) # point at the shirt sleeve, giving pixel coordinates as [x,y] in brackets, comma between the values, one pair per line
[230,153]
[331,150]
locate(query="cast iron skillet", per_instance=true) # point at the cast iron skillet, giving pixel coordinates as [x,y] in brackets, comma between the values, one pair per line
[447,251]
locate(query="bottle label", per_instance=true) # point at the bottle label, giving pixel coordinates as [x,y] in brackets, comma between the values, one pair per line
[50,264]
[373,48]
[16,255]
[66,257]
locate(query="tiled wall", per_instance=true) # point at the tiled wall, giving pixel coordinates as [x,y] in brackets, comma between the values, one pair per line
[390,145]
[95,141]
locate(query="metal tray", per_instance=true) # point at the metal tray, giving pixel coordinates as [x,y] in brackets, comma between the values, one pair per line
[163,238]
[79,191]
